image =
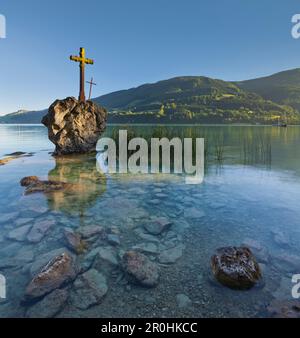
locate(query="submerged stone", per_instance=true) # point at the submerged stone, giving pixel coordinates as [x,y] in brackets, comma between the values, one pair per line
[89,289]
[49,306]
[74,242]
[171,255]
[235,267]
[157,225]
[140,268]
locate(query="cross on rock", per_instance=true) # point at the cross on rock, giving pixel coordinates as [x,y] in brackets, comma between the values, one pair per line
[91,83]
[82,62]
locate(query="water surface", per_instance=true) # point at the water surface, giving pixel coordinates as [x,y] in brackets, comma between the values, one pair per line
[251,192]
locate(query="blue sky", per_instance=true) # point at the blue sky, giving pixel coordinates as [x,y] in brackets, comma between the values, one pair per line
[138,41]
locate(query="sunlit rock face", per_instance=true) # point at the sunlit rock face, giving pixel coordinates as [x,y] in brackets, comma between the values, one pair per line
[73,126]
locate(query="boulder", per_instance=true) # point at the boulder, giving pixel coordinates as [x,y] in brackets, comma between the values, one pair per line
[236,267]
[140,268]
[58,272]
[73,126]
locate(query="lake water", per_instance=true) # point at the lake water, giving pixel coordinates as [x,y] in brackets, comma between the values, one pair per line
[250,194]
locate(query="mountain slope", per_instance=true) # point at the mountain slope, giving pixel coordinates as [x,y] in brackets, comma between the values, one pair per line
[193,99]
[23,117]
[283,87]
[198,99]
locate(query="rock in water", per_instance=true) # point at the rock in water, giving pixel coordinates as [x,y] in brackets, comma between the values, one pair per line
[89,289]
[73,126]
[235,267]
[141,268]
[58,272]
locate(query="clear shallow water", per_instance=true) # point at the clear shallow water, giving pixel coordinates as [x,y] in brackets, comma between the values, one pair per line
[251,191]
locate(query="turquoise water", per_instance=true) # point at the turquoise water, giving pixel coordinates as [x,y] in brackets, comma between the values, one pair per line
[251,192]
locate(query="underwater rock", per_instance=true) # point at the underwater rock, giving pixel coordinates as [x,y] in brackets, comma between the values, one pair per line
[261,253]
[49,306]
[140,268]
[286,262]
[105,258]
[58,272]
[157,225]
[43,259]
[183,300]
[39,230]
[235,267]
[113,239]
[171,255]
[193,213]
[280,238]
[89,289]
[4,218]
[73,126]
[19,234]
[33,184]
[90,231]
[149,248]
[74,242]
[284,309]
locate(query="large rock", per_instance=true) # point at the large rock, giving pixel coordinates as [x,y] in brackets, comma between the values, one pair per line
[73,126]
[140,268]
[58,272]
[235,267]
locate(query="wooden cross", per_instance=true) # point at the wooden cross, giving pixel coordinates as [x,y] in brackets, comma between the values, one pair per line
[91,85]
[82,61]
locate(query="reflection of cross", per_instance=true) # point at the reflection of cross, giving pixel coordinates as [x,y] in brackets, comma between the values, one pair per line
[82,61]
[91,85]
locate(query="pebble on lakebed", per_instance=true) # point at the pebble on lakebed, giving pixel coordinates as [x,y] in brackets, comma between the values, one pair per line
[236,267]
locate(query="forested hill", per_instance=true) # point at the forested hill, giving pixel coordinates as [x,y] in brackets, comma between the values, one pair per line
[198,99]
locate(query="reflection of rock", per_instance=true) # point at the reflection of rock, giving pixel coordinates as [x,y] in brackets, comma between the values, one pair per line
[235,267]
[34,184]
[284,309]
[139,267]
[74,127]
[55,274]
[87,183]
[13,156]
